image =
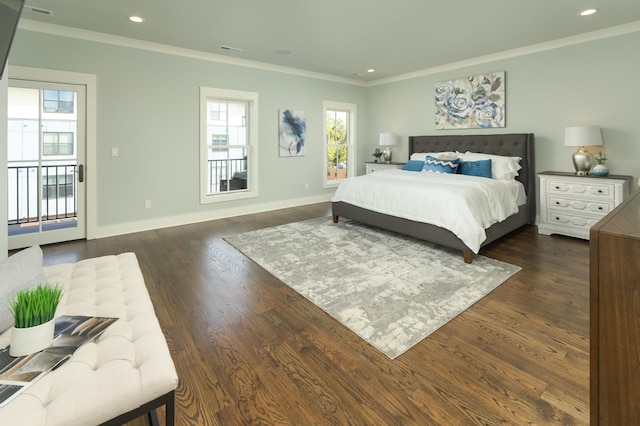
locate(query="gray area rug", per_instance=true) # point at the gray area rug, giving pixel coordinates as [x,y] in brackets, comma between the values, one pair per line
[391,290]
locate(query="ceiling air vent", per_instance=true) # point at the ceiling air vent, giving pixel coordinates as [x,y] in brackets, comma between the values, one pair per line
[38,10]
[230,49]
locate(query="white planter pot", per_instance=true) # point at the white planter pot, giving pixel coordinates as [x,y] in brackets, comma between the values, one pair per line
[25,341]
[600,170]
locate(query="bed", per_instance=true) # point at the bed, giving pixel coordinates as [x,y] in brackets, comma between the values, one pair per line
[510,145]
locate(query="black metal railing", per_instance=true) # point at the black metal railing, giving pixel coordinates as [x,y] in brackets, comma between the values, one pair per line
[58,190]
[223,172]
[57,187]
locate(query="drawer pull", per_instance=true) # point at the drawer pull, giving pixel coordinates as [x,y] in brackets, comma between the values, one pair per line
[557,187]
[557,203]
[599,208]
[599,191]
[557,218]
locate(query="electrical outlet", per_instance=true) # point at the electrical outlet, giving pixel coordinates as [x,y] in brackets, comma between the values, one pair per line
[147,204]
[114,152]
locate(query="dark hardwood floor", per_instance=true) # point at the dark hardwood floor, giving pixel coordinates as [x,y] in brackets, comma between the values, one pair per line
[249,350]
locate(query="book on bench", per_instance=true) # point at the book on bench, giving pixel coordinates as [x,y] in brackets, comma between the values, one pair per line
[71,332]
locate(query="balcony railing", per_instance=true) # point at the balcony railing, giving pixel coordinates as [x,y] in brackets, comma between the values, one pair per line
[221,172]
[59,193]
[57,190]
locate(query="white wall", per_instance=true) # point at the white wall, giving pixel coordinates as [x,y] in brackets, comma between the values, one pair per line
[590,83]
[147,106]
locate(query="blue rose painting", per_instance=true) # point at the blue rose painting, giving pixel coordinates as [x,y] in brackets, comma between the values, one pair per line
[471,103]
[293,126]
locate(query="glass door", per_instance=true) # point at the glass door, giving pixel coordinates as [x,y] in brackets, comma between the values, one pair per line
[46,151]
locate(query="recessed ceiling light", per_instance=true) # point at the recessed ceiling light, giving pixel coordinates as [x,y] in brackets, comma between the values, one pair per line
[371,70]
[283,52]
[136,19]
[588,12]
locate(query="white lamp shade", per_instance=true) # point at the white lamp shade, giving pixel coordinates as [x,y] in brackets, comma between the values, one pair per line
[388,139]
[582,136]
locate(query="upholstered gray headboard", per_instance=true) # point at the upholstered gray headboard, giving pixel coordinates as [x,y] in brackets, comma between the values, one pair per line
[512,145]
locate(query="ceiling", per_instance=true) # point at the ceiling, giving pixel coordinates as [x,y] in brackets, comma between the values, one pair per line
[342,38]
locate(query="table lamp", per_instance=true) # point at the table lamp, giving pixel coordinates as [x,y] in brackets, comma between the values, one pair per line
[582,136]
[387,139]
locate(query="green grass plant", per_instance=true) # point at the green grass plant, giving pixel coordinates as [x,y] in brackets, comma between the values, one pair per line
[36,306]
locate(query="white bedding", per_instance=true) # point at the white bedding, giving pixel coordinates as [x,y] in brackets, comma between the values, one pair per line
[465,205]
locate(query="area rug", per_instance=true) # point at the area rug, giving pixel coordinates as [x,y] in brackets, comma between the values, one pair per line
[391,290]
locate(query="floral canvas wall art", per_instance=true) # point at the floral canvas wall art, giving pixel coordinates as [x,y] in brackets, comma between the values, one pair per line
[292,129]
[471,103]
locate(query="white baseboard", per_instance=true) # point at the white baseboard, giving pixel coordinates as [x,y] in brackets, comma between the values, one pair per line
[166,222]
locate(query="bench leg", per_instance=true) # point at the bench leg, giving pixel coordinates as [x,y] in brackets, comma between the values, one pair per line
[153,418]
[168,400]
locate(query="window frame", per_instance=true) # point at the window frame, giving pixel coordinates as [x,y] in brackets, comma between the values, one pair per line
[251,98]
[352,110]
[68,107]
[47,145]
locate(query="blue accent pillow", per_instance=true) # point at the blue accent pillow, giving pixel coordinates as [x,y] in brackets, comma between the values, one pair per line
[413,166]
[481,168]
[436,165]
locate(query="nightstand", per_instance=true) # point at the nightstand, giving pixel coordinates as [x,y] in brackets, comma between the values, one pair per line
[570,205]
[371,167]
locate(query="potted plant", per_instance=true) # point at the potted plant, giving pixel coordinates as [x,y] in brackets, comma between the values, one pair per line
[377,153]
[33,312]
[600,169]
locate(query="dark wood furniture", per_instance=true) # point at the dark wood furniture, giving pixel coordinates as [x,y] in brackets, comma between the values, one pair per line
[512,145]
[615,316]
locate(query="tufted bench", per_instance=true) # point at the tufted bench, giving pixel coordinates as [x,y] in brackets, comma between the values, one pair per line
[125,373]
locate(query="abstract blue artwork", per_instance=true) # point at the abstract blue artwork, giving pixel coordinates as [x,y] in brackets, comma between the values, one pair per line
[471,103]
[292,128]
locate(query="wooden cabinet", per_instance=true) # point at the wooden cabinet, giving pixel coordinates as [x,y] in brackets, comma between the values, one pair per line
[570,205]
[615,316]
[371,167]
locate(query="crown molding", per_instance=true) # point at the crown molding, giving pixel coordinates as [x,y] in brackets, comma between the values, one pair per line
[507,54]
[36,26]
[59,30]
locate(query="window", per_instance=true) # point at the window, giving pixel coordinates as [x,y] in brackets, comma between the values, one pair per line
[58,186]
[218,110]
[340,125]
[57,101]
[218,139]
[57,143]
[229,144]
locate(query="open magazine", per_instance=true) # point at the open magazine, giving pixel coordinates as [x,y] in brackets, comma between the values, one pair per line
[71,332]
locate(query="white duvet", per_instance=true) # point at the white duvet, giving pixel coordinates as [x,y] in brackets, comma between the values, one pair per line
[465,205]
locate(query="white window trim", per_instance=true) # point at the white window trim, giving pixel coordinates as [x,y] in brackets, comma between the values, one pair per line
[252,159]
[91,151]
[351,161]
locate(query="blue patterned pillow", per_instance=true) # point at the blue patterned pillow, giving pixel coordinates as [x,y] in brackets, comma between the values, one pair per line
[436,165]
[480,168]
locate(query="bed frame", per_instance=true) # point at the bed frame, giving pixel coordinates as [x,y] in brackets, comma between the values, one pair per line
[513,145]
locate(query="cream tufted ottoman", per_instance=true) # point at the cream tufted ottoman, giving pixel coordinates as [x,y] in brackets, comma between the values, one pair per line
[126,372]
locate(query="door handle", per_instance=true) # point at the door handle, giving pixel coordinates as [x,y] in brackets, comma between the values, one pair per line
[80,173]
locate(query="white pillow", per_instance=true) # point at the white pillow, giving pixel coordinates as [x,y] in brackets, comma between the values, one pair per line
[22,270]
[502,167]
[444,155]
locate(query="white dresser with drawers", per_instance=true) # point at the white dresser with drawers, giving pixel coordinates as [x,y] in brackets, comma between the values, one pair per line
[570,205]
